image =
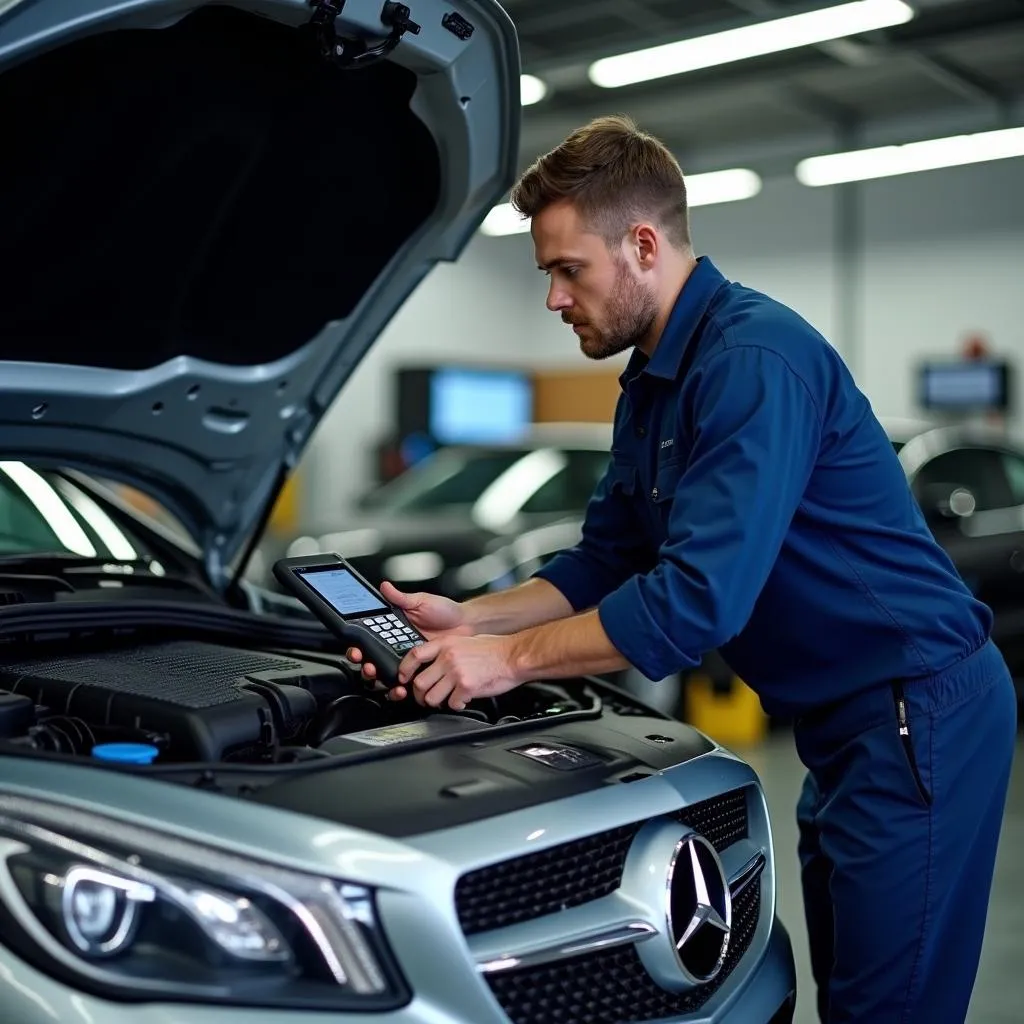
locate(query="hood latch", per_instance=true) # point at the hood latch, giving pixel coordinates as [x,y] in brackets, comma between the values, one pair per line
[352,54]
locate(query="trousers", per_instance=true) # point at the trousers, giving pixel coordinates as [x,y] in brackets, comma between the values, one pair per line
[899,820]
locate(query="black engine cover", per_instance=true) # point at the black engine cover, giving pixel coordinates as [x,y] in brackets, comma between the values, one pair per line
[210,702]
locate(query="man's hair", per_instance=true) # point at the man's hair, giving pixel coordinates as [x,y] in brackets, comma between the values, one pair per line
[613,174]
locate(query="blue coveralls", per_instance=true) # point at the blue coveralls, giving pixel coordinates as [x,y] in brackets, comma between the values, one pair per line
[754,505]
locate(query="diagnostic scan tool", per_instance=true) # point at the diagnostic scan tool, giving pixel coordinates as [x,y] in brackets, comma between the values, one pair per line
[352,609]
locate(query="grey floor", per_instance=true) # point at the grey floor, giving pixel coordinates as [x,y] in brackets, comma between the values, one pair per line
[999,992]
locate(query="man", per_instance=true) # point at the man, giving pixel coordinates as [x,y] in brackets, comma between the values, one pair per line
[754,505]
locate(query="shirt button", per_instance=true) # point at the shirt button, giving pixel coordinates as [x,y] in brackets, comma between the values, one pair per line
[641,430]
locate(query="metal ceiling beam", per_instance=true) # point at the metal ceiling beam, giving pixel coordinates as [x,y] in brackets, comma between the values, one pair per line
[958,81]
[557,19]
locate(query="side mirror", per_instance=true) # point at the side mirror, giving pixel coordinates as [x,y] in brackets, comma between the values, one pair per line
[944,504]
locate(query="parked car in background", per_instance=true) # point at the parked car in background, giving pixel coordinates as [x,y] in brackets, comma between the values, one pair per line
[969,482]
[430,526]
[210,212]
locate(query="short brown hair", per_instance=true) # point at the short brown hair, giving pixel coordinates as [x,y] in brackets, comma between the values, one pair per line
[612,173]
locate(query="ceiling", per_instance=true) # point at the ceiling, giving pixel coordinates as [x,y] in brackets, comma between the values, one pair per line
[957,62]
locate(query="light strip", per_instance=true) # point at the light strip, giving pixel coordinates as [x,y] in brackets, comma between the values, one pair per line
[765,37]
[50,506]
[886,161]
[531,90]
[108,531]
[727,186]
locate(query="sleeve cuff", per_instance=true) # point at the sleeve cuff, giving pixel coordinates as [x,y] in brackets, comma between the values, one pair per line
[566,573]
[637,637]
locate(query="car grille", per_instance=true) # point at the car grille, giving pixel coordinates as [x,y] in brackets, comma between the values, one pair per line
[574,873]
[722,821]
[541,883]
[613,987]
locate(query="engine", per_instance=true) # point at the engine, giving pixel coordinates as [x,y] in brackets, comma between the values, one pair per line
[203,702]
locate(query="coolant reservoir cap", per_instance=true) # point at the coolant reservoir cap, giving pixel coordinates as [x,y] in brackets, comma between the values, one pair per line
[126,753]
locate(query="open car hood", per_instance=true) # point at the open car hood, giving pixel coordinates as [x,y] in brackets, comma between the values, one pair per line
[208,220]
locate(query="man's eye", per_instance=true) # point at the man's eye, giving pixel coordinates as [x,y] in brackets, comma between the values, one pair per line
[571,271]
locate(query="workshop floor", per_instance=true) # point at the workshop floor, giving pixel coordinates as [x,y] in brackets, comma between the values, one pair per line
[999,992]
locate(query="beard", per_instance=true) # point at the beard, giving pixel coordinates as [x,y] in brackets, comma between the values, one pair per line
[629,316]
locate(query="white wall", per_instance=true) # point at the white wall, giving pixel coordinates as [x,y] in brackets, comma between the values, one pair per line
[944,258]
[941,255]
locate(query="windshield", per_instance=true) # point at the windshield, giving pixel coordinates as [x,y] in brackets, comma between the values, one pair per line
[448,478]
[496,484]
[44,511]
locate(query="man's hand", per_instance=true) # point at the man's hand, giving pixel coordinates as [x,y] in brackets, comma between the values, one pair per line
[435,617]
[457,669]
[462,668]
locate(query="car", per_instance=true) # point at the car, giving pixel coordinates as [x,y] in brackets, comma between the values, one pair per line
[969,482]
[423,528]
[210,213]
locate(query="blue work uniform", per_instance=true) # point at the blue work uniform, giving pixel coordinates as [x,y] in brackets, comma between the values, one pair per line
[754,505]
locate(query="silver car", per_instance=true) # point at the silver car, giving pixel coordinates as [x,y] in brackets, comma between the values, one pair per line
[210,211]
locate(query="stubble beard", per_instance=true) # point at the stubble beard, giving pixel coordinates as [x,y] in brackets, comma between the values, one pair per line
[631,313]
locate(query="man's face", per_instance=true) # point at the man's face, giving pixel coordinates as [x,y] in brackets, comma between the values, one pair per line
[598,291]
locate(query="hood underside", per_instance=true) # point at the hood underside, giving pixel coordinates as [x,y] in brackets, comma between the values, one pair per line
[207,223]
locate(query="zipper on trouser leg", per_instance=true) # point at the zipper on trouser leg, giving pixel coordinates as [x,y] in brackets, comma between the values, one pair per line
[908,744]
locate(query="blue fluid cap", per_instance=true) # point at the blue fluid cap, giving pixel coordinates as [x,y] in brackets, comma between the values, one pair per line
[126,753]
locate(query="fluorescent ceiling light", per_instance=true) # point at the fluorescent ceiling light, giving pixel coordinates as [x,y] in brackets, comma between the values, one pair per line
[847,19]
[728,186]
[531,90]
[721,187]
[504,219]
[886,161]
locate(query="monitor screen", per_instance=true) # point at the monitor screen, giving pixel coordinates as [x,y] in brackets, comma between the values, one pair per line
[479,406]
[343,592]
[966,385]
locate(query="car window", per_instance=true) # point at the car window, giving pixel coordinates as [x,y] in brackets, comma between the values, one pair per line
[1014,466]
[570,489]
[982,471]
[42,511]
[448,478]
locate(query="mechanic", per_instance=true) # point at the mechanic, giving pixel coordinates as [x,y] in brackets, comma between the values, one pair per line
[753,504]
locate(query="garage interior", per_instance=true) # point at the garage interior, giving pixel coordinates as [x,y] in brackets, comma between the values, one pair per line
[862,162]
[910,276]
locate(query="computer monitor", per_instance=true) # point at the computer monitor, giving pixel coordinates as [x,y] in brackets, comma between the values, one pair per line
[965,386]
[471,405]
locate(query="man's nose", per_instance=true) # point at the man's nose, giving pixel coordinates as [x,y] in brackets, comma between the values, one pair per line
[558,300]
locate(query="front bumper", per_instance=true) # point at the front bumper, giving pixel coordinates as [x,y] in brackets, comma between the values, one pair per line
[33,998]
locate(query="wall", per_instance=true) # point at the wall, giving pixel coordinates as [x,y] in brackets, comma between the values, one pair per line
[944,258]
[938,255]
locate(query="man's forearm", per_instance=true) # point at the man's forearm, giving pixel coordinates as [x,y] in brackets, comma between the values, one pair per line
[570,647]
[510,611]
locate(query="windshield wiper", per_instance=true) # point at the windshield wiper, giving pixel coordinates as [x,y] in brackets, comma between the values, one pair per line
[58,561]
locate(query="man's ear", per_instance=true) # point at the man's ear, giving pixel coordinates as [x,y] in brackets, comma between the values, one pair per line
[646,241]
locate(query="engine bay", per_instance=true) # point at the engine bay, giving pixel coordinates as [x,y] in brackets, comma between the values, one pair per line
[200,702]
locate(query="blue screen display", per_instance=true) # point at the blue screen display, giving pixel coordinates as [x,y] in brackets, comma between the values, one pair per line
[470,406]
[963,385]
[343,592]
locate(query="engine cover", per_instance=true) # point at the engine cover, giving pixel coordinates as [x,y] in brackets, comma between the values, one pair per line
[209,702]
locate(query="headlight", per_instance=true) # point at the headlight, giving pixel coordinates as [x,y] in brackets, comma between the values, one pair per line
[130,913]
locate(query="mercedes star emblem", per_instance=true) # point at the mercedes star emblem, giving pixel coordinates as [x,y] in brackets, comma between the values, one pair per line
[699,908]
